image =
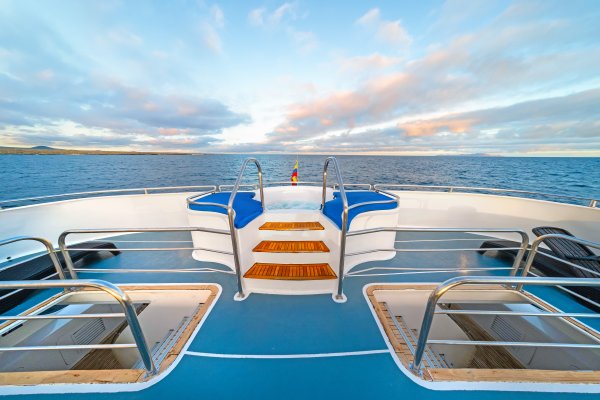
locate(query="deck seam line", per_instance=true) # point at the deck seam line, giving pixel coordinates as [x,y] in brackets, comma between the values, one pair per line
[287,356]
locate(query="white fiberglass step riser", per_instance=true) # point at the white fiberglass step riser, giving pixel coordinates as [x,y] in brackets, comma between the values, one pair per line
[271,286]
[293,235]
[296,216]
[292,258]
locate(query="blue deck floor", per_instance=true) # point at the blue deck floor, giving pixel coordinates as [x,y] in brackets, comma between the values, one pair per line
[294,325]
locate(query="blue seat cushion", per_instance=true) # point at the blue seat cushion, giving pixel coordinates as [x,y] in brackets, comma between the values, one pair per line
[246,208]
[334,208]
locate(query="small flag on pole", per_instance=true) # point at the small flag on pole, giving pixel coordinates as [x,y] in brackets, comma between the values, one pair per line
[295,174]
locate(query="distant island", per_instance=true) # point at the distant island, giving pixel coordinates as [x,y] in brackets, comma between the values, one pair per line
[45,150]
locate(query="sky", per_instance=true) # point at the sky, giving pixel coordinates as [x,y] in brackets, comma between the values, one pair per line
[343,77]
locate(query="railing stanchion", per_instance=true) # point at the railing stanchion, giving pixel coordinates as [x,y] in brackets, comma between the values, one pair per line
[344,229]
[107,287]
[444,287]
[49,249]
[231,216]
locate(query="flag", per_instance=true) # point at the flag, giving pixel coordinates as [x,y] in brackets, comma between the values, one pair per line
[295,174]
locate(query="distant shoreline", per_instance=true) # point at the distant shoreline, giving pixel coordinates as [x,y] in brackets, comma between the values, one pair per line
[25,151]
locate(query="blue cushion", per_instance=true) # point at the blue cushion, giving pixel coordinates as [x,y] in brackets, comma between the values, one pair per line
[334,208]
[246,208]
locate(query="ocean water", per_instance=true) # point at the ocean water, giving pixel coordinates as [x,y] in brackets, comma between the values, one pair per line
[38,175]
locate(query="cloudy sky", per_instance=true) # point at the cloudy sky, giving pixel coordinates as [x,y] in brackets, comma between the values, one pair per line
[395,77]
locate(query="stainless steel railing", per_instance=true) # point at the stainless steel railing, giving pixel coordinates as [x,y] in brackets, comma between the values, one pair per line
[47,244]
[535,249]
[49,250]
[509,282]
[340,294]
[122,298]
[231,215]
[345,211]
[270,183]
[64,249]
[590,202]
[102,192]
[368,186]
[522,249]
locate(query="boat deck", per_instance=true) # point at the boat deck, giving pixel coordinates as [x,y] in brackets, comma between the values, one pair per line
[294,347]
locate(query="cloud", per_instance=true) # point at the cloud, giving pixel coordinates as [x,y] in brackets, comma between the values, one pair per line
[210,28]
[262,17]
[256,16]
[279,19]
[504,61]
[123,36]
[371,63]
[570,121]
[217,16]
[305,40]
[211,38]
[391,32]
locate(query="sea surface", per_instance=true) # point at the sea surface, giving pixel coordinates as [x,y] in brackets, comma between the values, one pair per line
[38,175]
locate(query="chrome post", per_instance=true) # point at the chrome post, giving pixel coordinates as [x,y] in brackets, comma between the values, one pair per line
[65,253]
[112,290]
[340,292]
[344,229]
[260,186]
[426,324]
[138,334]
[324,185]
[231,217]
[236,257]
[520,254]
[486,280]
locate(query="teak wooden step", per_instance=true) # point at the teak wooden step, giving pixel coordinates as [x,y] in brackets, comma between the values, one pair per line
[292,246]
[290,272]
[291,226]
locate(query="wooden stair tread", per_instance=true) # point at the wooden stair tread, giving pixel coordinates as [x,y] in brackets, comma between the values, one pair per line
[291,246]
[291,226]
[292,272]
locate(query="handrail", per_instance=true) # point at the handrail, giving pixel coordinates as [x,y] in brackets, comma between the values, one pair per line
[367,185]
[591,202]
[46,243]
[267,183]
[112,290]
[444,287]
[249,185]
[340,295]
[190,199]
[62,240]
[516,264]
[96,192]
[538,241]
[231,217]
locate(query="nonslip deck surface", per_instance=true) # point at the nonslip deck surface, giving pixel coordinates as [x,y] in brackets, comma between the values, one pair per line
[291,226]
[292,246]
[237,339]
[293,272]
